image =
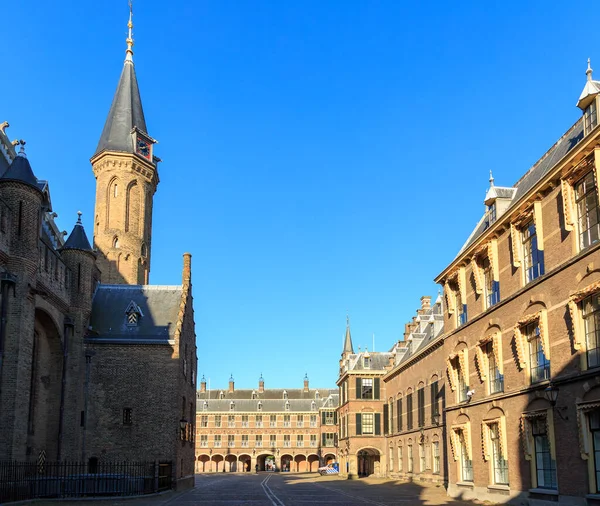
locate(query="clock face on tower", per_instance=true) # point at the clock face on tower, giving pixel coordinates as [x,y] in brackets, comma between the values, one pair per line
[142,147]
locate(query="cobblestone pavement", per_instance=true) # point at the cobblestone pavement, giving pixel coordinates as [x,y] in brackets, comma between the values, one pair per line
[269,489]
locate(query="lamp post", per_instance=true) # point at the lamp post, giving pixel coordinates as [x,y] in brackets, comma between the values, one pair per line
[551,395]
[435,418]
[182,426]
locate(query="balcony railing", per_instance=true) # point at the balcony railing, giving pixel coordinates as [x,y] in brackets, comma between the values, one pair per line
[313,424]
[259,425]
[313,444]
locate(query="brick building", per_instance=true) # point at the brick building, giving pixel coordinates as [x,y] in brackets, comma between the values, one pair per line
[94,363]
[291,430]
[521,341]
[414,427]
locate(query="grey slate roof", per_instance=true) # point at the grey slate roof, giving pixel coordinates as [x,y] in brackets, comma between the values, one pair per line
[159,306]
[125,113]
[20,170]
[268,394]
[544,165]
[78,239]
[270,405]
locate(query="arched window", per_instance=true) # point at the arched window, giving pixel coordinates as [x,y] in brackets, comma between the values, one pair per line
[115,190]
[144,250]
[116,242]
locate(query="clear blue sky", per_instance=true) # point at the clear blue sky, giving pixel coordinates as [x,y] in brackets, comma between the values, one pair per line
[319,157]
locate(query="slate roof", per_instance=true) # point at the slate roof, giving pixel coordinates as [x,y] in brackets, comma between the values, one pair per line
[78,238]
[267,405]
[542,167]
[268,394]
[159,306]
[125,114]
[20,170]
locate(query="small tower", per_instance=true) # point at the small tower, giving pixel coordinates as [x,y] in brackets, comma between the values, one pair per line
[306,382]
[588,101]
[261,384]
[126,174]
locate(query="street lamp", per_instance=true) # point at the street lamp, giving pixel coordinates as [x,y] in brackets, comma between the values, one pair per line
[551,395]
[435,418]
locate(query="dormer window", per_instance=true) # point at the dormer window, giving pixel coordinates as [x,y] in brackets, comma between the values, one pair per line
[590,116]
[285,394]
[367,362]
[317,395]
[133,314]
[287,406]
[204,406]
[253,394]
[259,406]
[221,395]
[231,406]
[491,213]
[313,406]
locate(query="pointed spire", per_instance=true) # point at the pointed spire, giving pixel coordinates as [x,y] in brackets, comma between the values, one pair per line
[129,40]
[126,112]
[589,70]
[348,348]
[20,169]
[78,238]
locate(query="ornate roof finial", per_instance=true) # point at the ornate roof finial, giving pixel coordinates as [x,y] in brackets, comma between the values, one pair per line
[129,50]
[79,213]
[347,320]
[22,149]
[491,179]
[589,71]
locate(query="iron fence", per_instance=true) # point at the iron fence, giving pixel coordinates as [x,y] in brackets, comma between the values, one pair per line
[21,481]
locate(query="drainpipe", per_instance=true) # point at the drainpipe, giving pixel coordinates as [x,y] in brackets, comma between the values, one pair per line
[7,280]
[69,326]
[84,418]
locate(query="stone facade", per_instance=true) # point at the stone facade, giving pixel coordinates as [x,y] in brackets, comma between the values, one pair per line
[290,430]
[521,345]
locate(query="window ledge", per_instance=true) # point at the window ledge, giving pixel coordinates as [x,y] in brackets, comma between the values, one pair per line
[468,484]
[547,491]
[504,488]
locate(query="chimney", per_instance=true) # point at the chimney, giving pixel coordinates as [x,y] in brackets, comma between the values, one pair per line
[306,382]
[186,275]
[231,389]
[261,385]
[425,302]
[203,385]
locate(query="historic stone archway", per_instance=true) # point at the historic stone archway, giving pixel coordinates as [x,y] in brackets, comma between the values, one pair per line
[203,464]
[301,463]
[287,463]
[217,461]
[244,461]
[329,458]
[313,463]
[231,463]
[368,460]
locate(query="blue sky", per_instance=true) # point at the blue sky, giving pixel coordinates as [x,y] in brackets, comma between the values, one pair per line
[319,157]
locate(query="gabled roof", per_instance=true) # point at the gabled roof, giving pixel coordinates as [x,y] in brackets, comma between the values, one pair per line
[78,238]
[160,307]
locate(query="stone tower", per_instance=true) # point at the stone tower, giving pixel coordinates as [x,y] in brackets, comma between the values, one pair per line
[126,174]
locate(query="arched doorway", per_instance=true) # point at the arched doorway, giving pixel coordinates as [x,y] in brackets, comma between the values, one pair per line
[244,463]
[286,463]
[313,463]
[203,464]
[217,461]
[45,387]
[301,464]
[231,463]
[368,460]
[328,458]
[266,462]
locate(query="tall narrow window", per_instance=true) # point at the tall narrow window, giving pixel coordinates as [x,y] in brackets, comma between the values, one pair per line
[421,406]
[399,406]
[532,256]
[462,388]
[499,463]
[409,412]
[588,213]
[367,388]
[466,464]
[491,213]
[496,380]
[127,416]
[367,423]
[590,117]
[435,413]
[492,288]
[436,457]
[461,309]
[540,365]
[410,458]
[545,466]
[400,462]
[115,190]
[391,454]
[421,457]
[591,318]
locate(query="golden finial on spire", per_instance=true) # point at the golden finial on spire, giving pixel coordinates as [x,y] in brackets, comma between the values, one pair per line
[129,50]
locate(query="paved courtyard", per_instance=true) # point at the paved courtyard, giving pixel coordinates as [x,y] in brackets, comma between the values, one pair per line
[270,489]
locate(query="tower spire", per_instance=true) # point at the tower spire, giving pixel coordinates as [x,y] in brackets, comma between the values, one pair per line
[348,348]
[589,70]
[129,40]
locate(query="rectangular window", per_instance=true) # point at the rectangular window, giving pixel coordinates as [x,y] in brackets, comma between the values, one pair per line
[594,419]
[300,421]
[462,388]
[273,440]
[367,388]
[421,406]
[217,420]
[367,423]
[495,379]
[273,421]
[409,412]
[204,421]
[410,458]
[540,366]
[299,440]
[498,462]
[545,466]
[492,288]
[590,117]
[435,413]
[461,308]
[259,421]
[287,441]
[127,417]
[313,440]
[491,213]
[329,417]
[204,440]
[217,440]
[591,318]
[588,213]
[287,421]
[422,457]
[329,439]
[313,420]
[230,440]
[258,441]
[399,408]
[533,258]
[231,421]
[436,457]
[466,464]
[245,441]
[400,463]
[245,421]
[391,454]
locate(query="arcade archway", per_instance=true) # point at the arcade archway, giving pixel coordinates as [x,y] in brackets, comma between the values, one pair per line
[368,460]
